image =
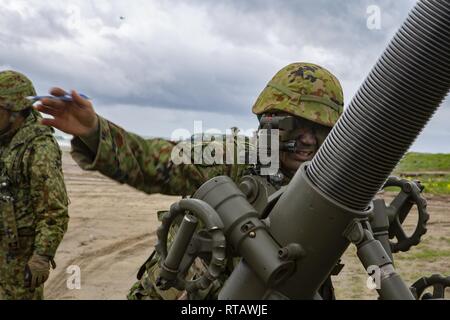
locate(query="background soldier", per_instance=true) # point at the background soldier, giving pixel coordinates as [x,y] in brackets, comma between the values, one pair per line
[306,91]
[33,199]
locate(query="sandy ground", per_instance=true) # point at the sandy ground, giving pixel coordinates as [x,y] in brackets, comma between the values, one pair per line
[112,232]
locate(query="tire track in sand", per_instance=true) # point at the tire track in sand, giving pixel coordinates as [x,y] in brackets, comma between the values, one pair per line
[92,263]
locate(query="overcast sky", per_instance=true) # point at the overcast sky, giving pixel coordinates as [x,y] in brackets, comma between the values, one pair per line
[155,66]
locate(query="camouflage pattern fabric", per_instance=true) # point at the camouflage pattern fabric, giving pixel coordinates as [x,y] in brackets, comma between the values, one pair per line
[31,159]
[14,88]
[304,90]
[12,284]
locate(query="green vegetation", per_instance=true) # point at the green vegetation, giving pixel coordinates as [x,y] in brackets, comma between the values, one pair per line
[433,170]
[424,162]
[435,184]
[426,254]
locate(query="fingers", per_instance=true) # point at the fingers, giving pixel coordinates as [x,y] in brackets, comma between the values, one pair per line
[37,281]
[52,112]
[58,92]
[34,282]
[49,110]
[53,103]
[50,123]
[27,279]
[79,100]
[40,279]
[56,103]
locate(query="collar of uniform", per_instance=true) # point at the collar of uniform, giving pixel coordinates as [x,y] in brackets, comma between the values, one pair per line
[6,138]
[30,127]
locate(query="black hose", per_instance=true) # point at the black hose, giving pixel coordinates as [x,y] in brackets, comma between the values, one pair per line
[391,108]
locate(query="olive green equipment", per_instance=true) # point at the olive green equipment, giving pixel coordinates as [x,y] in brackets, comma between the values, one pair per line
[236,213]
[290,240]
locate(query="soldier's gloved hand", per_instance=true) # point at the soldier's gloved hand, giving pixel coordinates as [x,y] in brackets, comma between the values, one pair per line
[37,271]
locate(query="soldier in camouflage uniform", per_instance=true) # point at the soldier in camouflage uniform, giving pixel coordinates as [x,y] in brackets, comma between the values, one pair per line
[307,91]
[33,199]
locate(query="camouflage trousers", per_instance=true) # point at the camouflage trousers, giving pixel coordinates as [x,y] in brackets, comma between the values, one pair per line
[12,273]
[145,288]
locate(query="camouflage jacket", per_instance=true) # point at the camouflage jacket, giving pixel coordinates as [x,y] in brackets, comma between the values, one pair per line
[31,159]
[145,164]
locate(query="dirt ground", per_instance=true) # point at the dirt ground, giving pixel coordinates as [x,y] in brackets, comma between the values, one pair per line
[431,256]
[112,232]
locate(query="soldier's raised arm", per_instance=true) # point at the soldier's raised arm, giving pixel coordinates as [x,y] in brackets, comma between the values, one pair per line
[101,145]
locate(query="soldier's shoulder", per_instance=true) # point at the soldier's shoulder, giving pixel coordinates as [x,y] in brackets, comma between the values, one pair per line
[44,148]
[46,142]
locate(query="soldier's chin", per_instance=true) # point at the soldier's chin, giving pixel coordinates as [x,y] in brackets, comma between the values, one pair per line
[298,160]
[293,165]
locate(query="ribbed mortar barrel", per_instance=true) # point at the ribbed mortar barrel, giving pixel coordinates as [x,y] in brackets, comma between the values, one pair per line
[394,103]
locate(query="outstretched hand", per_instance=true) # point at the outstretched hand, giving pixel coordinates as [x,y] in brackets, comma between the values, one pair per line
[76,117]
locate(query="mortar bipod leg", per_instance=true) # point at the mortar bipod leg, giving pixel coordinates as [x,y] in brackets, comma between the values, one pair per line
[375,260]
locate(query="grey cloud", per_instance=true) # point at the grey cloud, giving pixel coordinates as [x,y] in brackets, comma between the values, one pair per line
[219,67]
[22,29]
[338,27]
[335,24]
[157,71]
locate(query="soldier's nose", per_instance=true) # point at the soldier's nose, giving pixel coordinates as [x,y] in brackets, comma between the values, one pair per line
[308,138]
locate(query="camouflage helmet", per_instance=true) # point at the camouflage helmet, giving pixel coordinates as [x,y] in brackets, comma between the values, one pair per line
[14,88]
[305,90]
